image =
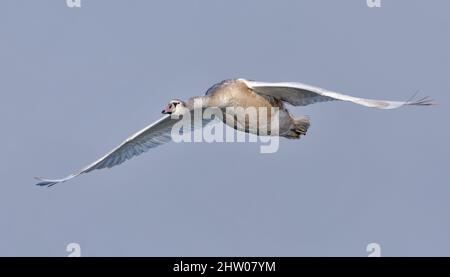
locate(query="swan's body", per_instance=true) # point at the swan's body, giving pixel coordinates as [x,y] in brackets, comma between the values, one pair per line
[235,93]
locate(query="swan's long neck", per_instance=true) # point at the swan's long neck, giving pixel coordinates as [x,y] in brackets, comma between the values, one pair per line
[197,102]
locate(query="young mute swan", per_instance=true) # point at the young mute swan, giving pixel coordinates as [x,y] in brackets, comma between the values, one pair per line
[235,93]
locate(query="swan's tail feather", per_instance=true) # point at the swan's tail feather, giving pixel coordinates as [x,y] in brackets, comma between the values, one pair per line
[299,128]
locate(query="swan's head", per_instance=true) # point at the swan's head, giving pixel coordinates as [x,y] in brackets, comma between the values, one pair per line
[175,107]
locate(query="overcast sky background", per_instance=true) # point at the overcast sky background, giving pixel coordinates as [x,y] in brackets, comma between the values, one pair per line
[75,82]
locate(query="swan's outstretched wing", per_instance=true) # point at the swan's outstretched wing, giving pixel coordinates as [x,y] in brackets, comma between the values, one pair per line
[299,94]
[152,136]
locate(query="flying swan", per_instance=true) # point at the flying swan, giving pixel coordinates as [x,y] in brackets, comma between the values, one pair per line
[234,93]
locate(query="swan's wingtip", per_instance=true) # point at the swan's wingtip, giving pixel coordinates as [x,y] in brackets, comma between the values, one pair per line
[425,101]
[45,182]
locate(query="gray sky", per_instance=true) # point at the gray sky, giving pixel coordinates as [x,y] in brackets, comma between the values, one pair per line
[76,82]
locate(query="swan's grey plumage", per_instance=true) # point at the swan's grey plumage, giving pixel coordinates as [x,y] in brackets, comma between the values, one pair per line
[229,93]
